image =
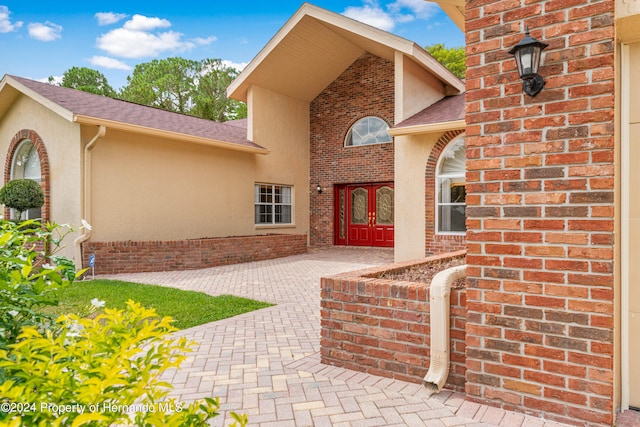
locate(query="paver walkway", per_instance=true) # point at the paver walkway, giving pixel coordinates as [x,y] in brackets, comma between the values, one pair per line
[267,364]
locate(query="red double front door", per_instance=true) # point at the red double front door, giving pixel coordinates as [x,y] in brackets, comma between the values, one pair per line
[364,215]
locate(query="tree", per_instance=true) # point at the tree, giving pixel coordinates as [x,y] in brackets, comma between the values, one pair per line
[197,88]
[87,80]
[453,58]
[21,195]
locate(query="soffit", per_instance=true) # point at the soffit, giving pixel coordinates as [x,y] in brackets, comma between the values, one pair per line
[315,46]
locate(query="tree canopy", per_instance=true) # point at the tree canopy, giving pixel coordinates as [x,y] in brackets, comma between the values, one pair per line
[197,88]
[87,80]
[185,86]
[453,58]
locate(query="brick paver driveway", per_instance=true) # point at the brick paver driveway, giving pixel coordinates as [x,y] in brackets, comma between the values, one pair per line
[267,364]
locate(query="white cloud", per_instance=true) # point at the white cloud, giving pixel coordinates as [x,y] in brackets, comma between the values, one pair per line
[44,32]
[112,63]
[371,13]
[144,23]
[204,41]
[419,9]
[108,18]
[398,11]
[139,38]
[237,65]
[5,21]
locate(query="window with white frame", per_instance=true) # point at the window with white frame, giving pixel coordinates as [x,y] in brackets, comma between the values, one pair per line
[366,131]
[450,186]
[273,204]
[26,165]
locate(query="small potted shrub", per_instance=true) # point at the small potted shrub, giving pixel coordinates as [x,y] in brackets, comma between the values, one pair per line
[22,195]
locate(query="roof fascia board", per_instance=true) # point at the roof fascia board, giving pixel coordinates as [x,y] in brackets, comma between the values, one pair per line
[56,108]
[87,120]
[429,128]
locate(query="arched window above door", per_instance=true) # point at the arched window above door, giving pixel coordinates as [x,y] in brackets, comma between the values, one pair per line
[366,131]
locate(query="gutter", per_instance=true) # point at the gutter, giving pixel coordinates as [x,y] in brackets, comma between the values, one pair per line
[86,203]
[439,303]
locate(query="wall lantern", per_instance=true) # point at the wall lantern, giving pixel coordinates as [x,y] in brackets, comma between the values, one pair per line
[527,54]
[319,189]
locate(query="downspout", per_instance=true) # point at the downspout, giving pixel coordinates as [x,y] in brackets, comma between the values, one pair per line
[86,203]
[439,303]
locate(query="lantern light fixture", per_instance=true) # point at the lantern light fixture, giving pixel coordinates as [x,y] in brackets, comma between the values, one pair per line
[319,189]
[527,54]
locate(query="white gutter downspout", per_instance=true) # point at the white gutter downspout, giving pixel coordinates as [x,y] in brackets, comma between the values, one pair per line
[86,204]
[439,303]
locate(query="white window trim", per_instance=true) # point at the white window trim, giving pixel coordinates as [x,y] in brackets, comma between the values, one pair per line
[274,224]
[443,156]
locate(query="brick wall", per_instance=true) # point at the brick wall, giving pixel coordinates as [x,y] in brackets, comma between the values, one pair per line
[382,327]
[540,211]
[135,257]
[366,88]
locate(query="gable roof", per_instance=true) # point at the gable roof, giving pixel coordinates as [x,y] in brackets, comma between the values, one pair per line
[315,46]
[90,109]
[446,114]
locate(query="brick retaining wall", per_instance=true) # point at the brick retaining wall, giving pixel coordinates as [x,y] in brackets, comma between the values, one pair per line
[135,257]
[382,326]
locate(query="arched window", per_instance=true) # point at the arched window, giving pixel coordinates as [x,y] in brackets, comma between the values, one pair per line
[450,186]
[26,165]
[366,131]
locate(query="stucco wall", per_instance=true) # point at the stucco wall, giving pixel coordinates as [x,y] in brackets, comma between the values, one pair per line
[281,124]
[146,188]
[62,142]
[418,87]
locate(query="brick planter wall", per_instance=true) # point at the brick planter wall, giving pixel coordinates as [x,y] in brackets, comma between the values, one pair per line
[540,211]
[135,257]
[382,326]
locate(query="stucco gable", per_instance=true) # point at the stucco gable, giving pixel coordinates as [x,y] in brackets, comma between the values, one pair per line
[87,108]
[316,45]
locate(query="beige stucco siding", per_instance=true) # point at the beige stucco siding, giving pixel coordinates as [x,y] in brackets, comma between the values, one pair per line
[61,139]
[146,188]
[418,88]
[411,154]
[281,124]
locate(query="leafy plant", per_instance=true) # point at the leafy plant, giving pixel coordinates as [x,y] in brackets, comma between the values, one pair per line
[76,370]
[21,195]
[29,276]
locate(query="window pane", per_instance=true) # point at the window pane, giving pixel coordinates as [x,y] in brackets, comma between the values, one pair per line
[452,218]
[368,130]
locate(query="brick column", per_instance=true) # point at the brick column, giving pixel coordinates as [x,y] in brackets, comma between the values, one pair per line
[540,174]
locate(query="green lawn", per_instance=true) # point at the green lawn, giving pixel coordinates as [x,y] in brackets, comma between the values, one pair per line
[188,308]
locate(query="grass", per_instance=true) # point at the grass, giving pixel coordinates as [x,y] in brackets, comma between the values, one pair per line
[187,308]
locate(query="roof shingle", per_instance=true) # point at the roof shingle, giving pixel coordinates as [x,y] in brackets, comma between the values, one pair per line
[105,108]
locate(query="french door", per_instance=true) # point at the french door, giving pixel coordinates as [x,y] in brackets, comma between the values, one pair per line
[364,215]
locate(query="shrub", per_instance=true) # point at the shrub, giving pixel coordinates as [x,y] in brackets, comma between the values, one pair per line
[76,370]
[21,195]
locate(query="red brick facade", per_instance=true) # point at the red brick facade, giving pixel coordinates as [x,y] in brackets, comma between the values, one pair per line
[366,88]
[382,327]
[540,211]
[136,257]
[44,167]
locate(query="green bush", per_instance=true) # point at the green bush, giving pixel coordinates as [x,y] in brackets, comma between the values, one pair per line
[76,370]
[21,195]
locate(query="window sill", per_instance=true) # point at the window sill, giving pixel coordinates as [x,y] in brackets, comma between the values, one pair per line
[273,226]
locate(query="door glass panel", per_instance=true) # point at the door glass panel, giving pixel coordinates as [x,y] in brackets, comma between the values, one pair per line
[359,206]
[384,206]
[342,208]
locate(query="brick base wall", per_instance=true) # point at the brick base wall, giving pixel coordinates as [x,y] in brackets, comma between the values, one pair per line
[382,327]
[135,257]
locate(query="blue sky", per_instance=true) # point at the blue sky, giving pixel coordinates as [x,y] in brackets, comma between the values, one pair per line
[40,39]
